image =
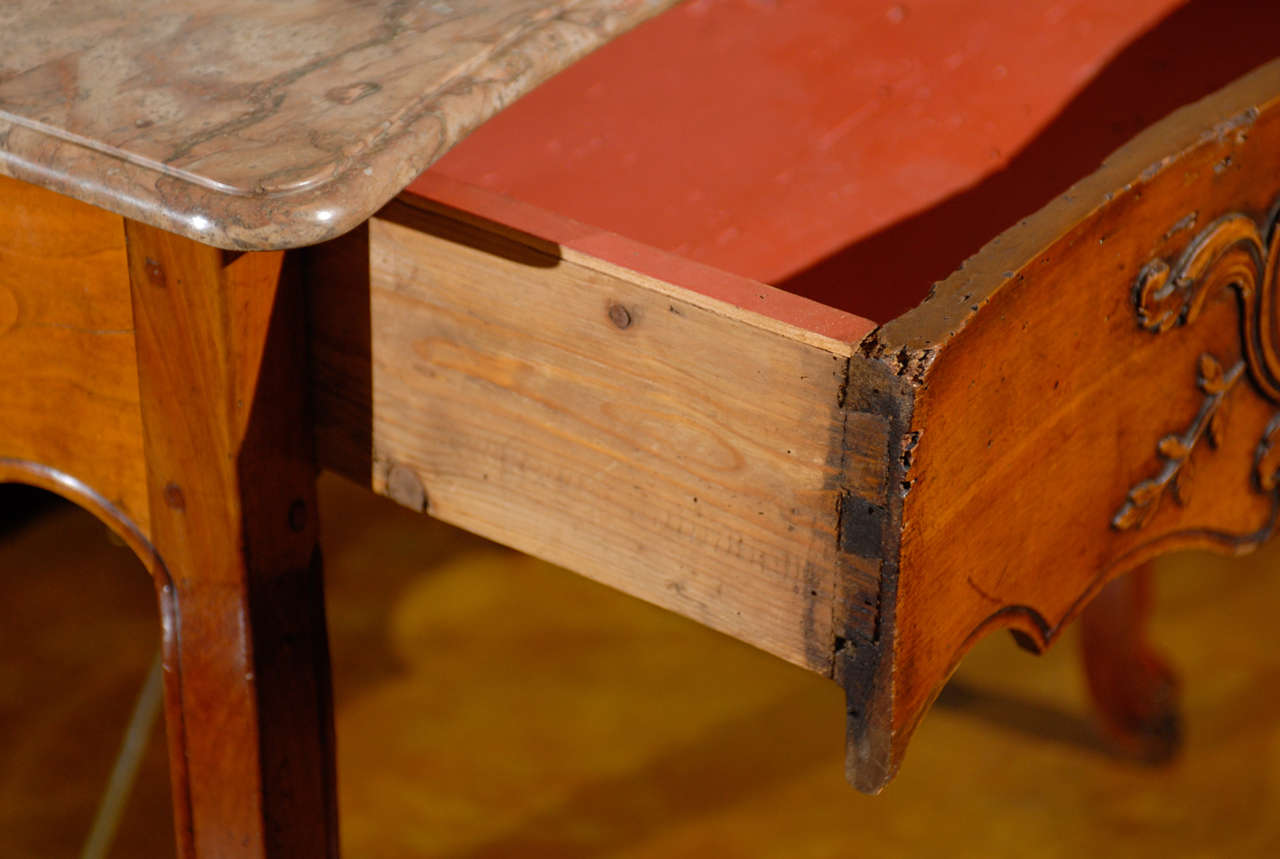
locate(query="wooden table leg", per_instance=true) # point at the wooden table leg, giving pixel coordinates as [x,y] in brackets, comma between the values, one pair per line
[231,482]
[1133,688]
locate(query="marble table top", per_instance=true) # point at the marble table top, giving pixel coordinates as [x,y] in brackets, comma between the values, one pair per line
[257,124]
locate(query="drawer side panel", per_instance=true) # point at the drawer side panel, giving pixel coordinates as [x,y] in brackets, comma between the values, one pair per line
[645,440]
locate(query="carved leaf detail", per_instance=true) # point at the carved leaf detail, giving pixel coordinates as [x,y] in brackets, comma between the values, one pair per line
[1218,427]
[1158,305]
[1130,516]
[1173,447]
[1211,376]
[1145,493]
[1124,518]
[1267,472]
[1267,459]
[1176,448]
[1182,484]
[1231,253]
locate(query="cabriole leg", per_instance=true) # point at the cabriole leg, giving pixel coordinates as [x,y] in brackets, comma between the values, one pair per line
[1134,690]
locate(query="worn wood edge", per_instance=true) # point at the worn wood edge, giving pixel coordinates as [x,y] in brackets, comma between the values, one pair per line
[81,494]
[863,665]
[719,291]
[910,342]
[910,345]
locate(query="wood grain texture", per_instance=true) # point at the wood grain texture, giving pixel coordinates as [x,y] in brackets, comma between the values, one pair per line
[507,216]
[1036,392]
[69,399]
[662,442]
[260,124]
[230,475]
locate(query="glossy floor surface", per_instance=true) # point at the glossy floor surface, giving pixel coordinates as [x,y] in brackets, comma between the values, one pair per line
[490,705]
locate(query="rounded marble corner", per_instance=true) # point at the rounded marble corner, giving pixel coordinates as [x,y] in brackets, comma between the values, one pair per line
[230,221]
[254,151]
[274,221]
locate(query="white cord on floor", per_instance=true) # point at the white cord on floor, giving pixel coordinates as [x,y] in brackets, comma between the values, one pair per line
[120,784]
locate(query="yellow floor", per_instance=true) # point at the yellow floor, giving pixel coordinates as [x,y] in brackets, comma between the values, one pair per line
[490,705]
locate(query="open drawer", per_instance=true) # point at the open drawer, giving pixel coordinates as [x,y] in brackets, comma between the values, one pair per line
[852,475]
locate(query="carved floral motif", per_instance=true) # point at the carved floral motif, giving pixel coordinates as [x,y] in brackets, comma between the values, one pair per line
[1144,497]
[1234,252]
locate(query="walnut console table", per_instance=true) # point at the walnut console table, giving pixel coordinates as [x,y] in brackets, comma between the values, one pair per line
[222,270]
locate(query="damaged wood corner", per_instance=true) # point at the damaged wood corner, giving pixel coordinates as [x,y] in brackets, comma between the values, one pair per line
[875,459]
[908,362]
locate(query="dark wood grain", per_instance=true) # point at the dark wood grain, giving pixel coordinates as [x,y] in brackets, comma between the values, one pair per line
[230,474]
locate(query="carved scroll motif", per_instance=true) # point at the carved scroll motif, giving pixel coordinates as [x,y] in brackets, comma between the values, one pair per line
[1234,252]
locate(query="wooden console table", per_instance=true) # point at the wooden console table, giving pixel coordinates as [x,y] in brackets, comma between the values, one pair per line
[862,493]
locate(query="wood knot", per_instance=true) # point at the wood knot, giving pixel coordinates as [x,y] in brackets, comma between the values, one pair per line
[155,273]
[173,496]
[619,316]
[405,488]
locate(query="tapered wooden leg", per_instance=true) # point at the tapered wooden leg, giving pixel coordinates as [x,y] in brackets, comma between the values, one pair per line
[231,481]
[1134,690]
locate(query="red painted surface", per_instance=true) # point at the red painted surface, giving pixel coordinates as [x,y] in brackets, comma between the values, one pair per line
[853,150]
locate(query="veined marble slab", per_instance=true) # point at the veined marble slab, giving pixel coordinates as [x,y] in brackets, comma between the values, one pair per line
[257,124]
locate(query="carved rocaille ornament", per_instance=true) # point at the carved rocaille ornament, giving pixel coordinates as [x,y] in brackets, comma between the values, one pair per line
[1234,252]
